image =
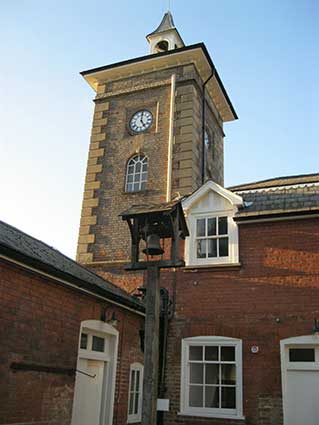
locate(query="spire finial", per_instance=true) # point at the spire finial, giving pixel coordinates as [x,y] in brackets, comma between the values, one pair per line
[169,5]
[165,37]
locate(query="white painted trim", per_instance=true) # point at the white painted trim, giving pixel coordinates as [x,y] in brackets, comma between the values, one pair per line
[131,419]
[185,410]
[68,284]
[274,188]
[305,340]
[232,197]
[170,140]
[107,402]
[274,219]
[214,415]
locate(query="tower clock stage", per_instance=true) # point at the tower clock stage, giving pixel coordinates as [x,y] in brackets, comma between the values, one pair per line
[147,144]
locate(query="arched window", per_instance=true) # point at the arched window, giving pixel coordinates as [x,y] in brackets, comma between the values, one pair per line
[162,46]
[136,174]
[135,393]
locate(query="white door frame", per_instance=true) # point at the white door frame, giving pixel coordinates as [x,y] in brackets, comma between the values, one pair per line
[294,342]
[109,357]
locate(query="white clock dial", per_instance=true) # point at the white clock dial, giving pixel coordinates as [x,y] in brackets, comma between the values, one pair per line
[141,121]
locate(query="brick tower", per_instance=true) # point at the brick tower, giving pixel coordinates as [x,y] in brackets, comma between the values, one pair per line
[157,134]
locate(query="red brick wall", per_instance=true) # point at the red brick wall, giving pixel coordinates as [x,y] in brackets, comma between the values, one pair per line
[278,279]
[40,323]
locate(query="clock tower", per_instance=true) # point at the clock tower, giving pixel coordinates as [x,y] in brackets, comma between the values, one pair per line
[157,134]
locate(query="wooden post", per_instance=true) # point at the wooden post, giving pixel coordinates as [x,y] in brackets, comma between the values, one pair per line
[151,351]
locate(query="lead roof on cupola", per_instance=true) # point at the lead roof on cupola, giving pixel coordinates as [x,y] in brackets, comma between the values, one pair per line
[166,24]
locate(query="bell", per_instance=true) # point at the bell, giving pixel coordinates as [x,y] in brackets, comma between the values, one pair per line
[153,246]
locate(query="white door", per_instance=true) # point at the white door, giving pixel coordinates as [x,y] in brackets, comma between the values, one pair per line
[300,375]
[88,392]
[96,374]
[302,397]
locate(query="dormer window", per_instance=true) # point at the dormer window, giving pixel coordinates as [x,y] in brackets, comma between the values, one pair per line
[213,232]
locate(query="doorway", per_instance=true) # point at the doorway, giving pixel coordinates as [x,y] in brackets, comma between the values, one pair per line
[300,380]
[95,375]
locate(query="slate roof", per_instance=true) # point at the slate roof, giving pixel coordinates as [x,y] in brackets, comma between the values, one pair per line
[27,249]
[280,195]
[166,24]
[278,181]
[148,208]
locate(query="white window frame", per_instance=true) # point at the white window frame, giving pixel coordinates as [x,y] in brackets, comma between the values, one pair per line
[133,418]
[191,245]
[185,409]
[136,159]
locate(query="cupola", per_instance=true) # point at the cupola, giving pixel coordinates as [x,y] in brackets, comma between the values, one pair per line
[165,37]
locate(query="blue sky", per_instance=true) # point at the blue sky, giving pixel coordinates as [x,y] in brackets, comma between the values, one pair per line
[266,53]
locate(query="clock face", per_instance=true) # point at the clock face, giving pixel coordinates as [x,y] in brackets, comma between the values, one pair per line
[141,121]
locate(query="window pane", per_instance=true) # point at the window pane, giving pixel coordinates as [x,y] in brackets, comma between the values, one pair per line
[222,226]
[84,341]
[144,176]
[137,178]
[136,187]
[228,397]
[227,354]
[132,380]
[212,374]
[138,167]
[137,379]
[228,374]
[130,169]
[196,396]
[223,247]
[196,373]
[211,227]
[131,403]
[195,353]
[130,178]
[129,188]
[144,167]
[143,185]
[211,353]
[98,344]
[301,355]
[211,396]
[136,404]
[201,248]
[212,248]
[201,227]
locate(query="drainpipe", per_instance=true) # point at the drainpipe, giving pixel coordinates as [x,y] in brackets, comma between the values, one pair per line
[204,125]
[170,140]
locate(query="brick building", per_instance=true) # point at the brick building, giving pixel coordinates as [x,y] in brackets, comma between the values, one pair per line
[242,342]
[62,330]
[241,348]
